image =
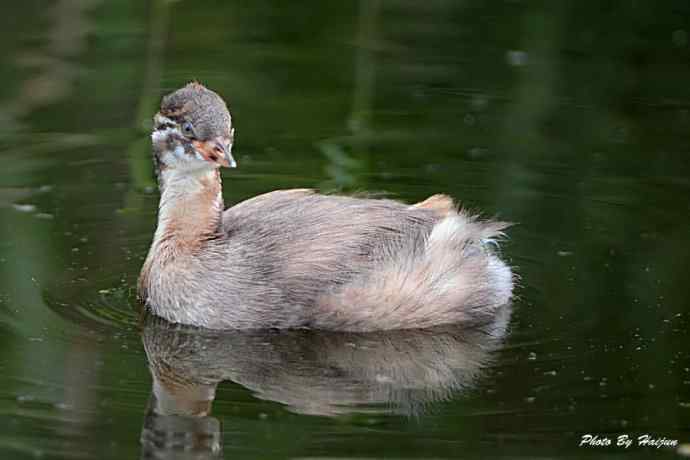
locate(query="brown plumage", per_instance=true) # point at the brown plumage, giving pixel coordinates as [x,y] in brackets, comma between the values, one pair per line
[296,258]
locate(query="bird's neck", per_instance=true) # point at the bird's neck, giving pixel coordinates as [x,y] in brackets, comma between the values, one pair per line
[190,210]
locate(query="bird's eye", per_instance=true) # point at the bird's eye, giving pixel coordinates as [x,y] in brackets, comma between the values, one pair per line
[188,129]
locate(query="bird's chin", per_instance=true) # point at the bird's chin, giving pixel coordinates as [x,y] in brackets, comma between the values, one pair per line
[169,156]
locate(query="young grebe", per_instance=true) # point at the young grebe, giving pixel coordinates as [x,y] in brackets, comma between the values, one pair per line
[296,258]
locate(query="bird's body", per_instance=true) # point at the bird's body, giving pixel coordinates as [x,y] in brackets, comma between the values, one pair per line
[296,258]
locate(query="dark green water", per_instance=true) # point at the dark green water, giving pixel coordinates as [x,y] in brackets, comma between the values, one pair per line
[572,120]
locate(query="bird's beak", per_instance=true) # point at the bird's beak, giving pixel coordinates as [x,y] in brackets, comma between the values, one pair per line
[216,151]
[230,160]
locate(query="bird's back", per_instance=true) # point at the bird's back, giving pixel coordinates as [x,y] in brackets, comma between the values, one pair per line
[339,262]
[307,241]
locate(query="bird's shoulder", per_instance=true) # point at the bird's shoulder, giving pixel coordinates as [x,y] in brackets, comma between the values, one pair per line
[264,204]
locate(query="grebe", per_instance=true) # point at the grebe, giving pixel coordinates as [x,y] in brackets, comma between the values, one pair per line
[300,259]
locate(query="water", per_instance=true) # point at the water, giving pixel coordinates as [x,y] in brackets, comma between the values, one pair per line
[573,121]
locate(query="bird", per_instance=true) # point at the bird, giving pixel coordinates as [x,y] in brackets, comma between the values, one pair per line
[299,258]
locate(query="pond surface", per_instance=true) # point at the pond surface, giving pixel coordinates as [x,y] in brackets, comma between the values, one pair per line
[573,121]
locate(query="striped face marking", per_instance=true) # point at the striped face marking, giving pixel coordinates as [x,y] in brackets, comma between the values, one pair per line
[174,149]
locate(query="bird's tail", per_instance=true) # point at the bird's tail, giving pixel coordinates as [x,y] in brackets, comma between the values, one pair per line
[452,275]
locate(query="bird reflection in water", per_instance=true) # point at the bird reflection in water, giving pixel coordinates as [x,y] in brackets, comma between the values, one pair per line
[309,372]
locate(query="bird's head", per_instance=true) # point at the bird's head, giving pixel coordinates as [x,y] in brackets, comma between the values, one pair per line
[192,131]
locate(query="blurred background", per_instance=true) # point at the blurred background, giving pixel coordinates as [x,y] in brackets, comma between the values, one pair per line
[570,118]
